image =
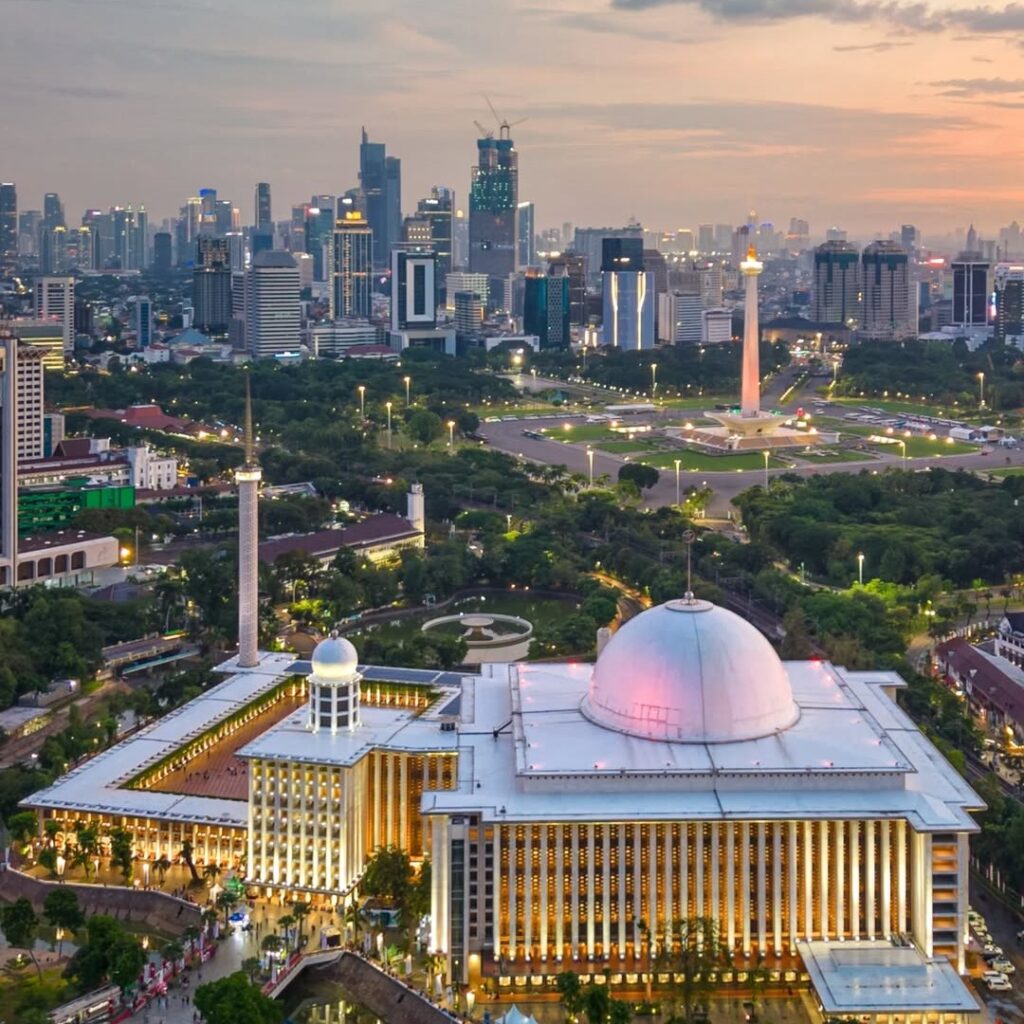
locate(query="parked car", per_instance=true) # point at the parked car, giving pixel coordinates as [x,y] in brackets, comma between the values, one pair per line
[996,982]
[1003,965]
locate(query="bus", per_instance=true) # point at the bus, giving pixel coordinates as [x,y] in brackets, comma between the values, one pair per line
[94,1007]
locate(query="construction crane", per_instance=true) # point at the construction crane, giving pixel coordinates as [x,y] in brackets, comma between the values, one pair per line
[504,126]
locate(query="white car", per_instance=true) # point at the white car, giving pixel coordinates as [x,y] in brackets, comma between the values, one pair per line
[991,949]
[1003,965]
[996,982]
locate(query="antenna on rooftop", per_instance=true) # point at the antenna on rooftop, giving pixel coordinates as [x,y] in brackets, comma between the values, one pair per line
[688,538]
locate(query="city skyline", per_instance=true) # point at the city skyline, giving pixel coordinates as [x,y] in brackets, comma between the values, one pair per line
[915,83]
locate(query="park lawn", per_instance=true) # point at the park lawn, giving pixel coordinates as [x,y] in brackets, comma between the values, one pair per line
[1008,471]
[702,402]
[923,447]
[827,455]
[700,461]
[619,447]
[894,406]
[581,432]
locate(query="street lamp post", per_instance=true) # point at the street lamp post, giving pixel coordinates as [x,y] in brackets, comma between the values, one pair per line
[904,450]
[533,374]
[860,568]
[678,464]
[981,385]
[766,456]
[387,405]
[590,461]
[654,380]
[451,433]
[362,401]
[408,382]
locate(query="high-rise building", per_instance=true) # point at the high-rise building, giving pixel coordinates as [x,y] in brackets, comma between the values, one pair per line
[351,268]
[8,228]
[142,321]
[463,281]
[1009,291]
[30,224]
[889,312]
[272,305]
[574,267]
[162,255]
[319,228]
[493,202]
[681,315]
[706,238]
[43,334]
[31,365]
[837,296]
[469,314]
[716,326]
[211,285]
[413,291]
[526,233]
[970,290]
[589,243]
[629,295]
[380,180]
[264,220]
[49,239]
[55,300]
[546,308]
[909,237]
[437,210]
[8,458]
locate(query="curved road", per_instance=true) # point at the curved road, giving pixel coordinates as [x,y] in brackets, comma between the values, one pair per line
[507,436]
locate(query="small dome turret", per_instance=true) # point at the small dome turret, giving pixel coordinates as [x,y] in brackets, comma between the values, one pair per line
[334,685]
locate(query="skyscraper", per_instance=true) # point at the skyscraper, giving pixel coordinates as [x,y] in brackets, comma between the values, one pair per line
[143,321]
[320,217]
[437,210]
[272,305]
[574,267]
[970,290]
[211,285]
[380,179]
[49,241]
[546,308]
[1009,289]
[888,310]
[629,295]
[837,284]
[526,255]
[55,300]
[8,458]
[413,291]
[264,221]
[8,228]
[351,267]
[493,201]
[162,252]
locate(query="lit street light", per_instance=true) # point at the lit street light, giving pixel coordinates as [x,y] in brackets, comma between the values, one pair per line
[451,433]
[678,464]
[654,380]
[508,521]
[904,445]
[590,460]
[408,382]
[981,384]
[362,401]
[387,405]
[765,454]
[860,568]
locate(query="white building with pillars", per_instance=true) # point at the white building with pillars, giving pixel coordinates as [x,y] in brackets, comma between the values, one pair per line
[573,812]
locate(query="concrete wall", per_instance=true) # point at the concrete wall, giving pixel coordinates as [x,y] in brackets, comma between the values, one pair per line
[387,997]
[156,909]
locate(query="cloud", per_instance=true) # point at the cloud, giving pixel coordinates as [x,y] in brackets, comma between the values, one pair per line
[969,87]
[880,47]
[914,16]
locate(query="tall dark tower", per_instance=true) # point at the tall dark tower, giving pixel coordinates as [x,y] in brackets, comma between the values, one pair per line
[380,179]
[8,228]
[493,198]
[263,215]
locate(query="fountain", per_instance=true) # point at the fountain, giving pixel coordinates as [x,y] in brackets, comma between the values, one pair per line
[489,637]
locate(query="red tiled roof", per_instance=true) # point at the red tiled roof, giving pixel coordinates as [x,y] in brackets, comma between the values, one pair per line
[982,679]
[73,448]
[376,530]
[150,416]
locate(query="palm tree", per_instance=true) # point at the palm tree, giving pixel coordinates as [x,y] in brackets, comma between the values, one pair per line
[172,952]
[186,856]
[210,918]
[225,901]
[161,866]
[190,935]
[251,966]
[211,871]
[300,911]
[286,921]
[353,919]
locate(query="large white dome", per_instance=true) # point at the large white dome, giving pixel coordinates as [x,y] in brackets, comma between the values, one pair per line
[334,659]
[689,671]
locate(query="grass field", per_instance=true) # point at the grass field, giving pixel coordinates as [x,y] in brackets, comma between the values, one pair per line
[894,406]
[1006,471]
[622,447]
[579,431]
[923,447]
[699,461]
[827,455]
[702,402]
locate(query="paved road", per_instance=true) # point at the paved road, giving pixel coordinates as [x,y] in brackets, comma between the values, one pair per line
[507,436]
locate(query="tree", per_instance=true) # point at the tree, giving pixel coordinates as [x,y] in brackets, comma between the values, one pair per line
[251,966]
[161,866]
[61,911]
[23,827]
[18,922]
[121,854]
[424,426]
[570,991]
[300,911]
[186,856]
[639,474]
[694,952]
[596,1003]
[211,871]
[226,901]
[234,1000]
[388,875]
[172,952]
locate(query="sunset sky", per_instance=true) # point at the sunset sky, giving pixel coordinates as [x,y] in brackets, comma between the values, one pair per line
[863,114]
